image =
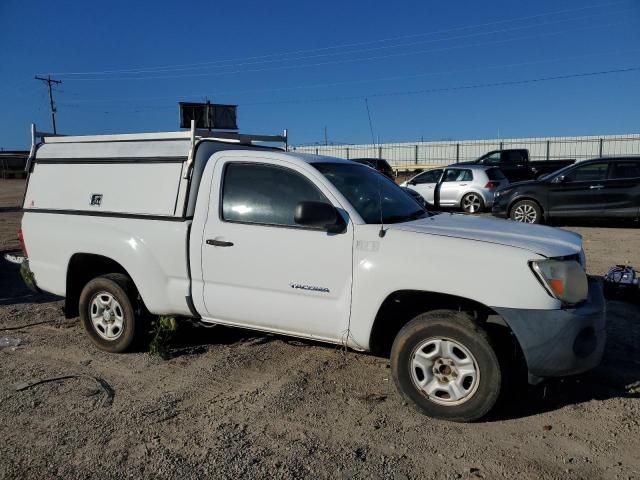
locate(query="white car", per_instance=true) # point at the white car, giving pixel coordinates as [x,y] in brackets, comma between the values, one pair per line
[189,224]
[469,187]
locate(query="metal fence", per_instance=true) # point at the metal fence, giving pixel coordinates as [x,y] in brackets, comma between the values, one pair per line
[409,156]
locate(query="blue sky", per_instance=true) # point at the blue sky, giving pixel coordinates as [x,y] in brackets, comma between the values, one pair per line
[125,65]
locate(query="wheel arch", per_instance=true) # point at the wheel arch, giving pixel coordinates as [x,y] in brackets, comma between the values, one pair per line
[81,269]
[401,306]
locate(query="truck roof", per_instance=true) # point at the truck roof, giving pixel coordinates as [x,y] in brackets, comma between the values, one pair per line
[311,158]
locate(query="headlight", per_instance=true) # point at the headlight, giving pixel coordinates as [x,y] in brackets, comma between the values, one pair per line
[501,193]
[565,280]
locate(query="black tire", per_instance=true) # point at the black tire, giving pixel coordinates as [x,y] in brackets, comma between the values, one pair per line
[526,211]
[450,326]
[477,201]
[122,289]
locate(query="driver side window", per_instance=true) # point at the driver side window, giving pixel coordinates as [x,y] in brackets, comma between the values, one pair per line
[588,173]
[265,194]
[432,176]
[493,159]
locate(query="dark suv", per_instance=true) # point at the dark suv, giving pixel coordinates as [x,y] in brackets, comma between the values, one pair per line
[599,188]
[379,164]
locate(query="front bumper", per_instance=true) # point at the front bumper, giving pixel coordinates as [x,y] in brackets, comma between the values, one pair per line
[500,206]
[561,342]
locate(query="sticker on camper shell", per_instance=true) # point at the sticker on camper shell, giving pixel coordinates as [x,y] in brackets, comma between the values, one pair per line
[96,199]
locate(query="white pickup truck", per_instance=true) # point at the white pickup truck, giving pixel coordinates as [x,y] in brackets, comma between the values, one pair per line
[213,226]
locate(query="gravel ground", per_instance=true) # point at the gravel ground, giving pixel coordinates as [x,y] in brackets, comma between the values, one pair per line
[233,404]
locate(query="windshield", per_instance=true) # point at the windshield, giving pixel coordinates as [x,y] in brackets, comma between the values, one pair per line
[374,196]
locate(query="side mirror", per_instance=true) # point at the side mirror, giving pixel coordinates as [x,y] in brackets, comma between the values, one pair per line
[560,179]
[411,182]
[318,215]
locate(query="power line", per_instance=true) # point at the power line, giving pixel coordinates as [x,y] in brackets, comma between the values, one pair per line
[364,80]
[342,46]
[346,61]
[407,93]
[159,70]
[49,81]
[462,87]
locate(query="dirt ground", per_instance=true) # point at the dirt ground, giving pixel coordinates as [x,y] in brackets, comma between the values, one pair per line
[233,404]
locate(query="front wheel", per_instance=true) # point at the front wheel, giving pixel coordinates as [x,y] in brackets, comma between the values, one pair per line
[526,211]
[472,203]
[445,364]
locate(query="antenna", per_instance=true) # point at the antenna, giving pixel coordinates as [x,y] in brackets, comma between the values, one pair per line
[382,231]
[373,139]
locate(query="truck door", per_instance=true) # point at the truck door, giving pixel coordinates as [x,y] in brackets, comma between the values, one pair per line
[513,164]
[580,192]
[260,269]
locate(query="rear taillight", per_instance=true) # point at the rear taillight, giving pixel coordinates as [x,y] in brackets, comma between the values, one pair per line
[492,185]
[22,245]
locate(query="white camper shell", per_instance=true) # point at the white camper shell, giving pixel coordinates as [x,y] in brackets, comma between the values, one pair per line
[92,173]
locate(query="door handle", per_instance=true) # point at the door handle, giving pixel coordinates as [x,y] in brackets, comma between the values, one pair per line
[219,243]
[463,184]
[596,187]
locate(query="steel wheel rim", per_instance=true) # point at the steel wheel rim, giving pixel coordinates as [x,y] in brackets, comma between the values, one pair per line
[525,213]
[444,371]
[107,316]
[471,203]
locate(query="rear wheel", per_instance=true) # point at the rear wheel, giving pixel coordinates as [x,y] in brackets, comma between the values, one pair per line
[526,211]
[108,313]
[472,203]
[445,364]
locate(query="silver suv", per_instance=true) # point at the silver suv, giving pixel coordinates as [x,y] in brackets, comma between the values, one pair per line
[470,187]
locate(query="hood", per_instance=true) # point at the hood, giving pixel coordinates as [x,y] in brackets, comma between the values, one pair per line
[545,241]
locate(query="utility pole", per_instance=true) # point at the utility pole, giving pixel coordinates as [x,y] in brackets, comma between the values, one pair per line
[49,81]
[326,140]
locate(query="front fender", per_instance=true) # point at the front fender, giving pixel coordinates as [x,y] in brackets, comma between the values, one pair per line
[483,272]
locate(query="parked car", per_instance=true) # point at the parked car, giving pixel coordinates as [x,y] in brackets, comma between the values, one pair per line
[516,165]
[185,224]
[470,188]
[378,163]
[599,188]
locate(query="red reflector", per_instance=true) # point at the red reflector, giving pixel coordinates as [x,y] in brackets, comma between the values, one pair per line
[22,245]
[491,185]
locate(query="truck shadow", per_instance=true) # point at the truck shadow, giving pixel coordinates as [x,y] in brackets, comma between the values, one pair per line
[13,291]
[618,376]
